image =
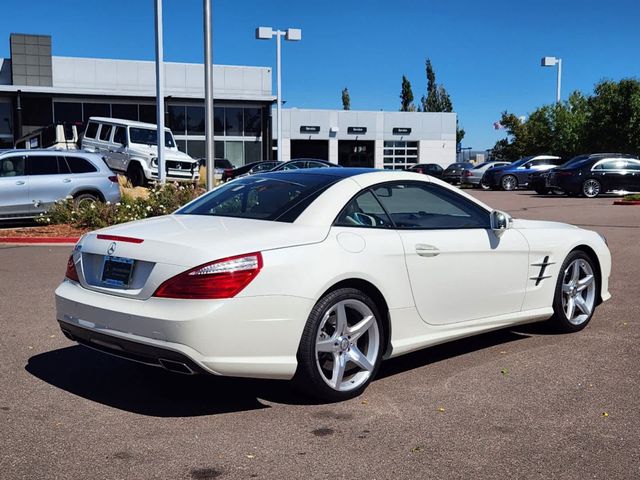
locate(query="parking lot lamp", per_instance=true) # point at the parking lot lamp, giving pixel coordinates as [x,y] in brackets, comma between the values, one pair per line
[552,62]
[291,34]
[208,95]
[160,92]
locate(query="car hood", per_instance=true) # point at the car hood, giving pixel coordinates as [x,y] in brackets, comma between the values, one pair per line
[169,154]
[190,240]
[540,224]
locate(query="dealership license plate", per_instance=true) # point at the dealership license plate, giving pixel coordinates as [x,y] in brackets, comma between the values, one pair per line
[116,271]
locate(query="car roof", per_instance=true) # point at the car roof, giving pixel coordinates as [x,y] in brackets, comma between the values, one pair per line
[47,151]
[128,123]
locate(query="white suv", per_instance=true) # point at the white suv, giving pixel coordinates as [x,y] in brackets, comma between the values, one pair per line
[132,148]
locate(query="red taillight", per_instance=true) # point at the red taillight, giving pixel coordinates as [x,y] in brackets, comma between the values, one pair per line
[113,178]
[119,238]
[71,273]
[467,173]
[228,171]
[223,278]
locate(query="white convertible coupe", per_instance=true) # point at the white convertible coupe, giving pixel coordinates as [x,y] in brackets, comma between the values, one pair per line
[319,275]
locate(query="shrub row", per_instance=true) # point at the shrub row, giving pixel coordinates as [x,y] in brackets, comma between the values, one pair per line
[162,200]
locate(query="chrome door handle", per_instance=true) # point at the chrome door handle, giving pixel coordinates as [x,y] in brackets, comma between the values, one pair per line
[427,250]
[66,180]
[20,182]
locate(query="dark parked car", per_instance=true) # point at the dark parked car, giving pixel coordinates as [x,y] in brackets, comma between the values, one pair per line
[516,174]
[539,183]
[248,169]
[453,173]
[597,174]
[303,163]
[432,169]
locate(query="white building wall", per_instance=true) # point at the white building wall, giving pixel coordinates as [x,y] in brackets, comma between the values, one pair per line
[434,132]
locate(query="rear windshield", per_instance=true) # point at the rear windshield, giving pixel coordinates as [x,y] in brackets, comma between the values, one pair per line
[275,196]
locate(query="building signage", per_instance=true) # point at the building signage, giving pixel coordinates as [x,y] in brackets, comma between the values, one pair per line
[401,131]
[309,129]
[356,130]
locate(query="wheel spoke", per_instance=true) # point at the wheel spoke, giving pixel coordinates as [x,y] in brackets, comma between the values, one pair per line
[328,345]
[575,272]
[582,305]
[357,357]
[566,288]
[339,364]
[584,283]
[570,308]
[341,319]
[360,328]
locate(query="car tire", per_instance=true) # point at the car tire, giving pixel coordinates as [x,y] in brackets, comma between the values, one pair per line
[135,174]
[336,361]
[484,186]
[591,188]
[509,183]
[576,293]
[541,191]
[84,199]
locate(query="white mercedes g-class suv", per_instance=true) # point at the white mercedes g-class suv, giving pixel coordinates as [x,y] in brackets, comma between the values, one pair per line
[131,148]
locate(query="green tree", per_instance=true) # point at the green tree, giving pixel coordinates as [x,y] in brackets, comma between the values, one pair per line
[406,96]
[606,121]
[346,99]
[430,103]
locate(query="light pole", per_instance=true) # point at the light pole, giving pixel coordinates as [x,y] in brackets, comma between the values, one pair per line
[291,34]
[208,95]
[160,91]
[552,62]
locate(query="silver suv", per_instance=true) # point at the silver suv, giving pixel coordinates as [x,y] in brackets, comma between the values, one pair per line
[31,180]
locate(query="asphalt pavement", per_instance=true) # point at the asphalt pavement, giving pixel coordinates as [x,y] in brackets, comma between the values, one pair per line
[517,403]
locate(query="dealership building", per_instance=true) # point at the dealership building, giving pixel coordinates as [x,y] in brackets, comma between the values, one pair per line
[38,89]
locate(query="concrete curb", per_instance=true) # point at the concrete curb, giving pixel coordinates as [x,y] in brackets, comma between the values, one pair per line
[39,240]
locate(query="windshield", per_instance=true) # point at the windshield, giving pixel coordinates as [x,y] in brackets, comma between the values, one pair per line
[261,197]
[147,136]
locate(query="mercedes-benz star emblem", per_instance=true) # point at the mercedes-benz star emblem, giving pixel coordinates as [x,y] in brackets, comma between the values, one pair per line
[112,248]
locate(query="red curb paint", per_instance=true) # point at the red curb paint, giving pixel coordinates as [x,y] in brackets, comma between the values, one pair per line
[36,240]
[626,202]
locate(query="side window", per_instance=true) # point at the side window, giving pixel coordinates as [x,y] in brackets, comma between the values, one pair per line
[105,132]
[119,136]
[42,165]
[613,164]
[63,168]
[316,165]
[293,166]
[80,165]
[414,206]
[633,165]
[92,129]
[12,167]
[363,211]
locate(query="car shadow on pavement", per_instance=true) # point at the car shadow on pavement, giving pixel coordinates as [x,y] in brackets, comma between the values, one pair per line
[461,347]
[152,391]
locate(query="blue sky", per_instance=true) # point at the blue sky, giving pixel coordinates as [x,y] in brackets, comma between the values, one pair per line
[486,53]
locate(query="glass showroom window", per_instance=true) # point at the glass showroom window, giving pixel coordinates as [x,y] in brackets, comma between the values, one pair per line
[400,155]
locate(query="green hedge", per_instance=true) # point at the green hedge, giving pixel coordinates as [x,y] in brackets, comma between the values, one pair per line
[162,200]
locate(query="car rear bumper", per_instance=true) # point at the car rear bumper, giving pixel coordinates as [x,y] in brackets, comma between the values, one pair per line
[254,337]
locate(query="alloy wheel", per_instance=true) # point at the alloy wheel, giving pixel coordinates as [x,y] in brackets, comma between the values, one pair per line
[509,182]
[578,291]
[591,188]
[347,345]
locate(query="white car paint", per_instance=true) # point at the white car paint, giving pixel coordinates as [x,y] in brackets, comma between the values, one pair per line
[481,280]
